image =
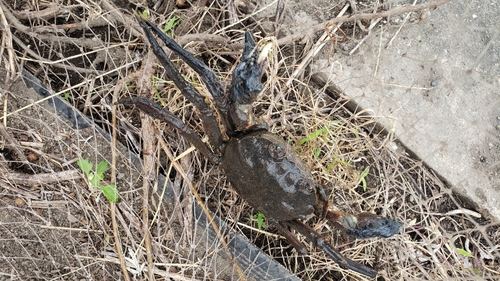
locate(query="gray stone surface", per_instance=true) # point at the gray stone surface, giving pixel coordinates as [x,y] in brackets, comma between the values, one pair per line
[437,88]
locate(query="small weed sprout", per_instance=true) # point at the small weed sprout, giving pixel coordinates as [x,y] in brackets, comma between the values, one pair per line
[363,176]
[169,27]
[94,178]
[259,218]
[171,24]
[322,133]
[464,253]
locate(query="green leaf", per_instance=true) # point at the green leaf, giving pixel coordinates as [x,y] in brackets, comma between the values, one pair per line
[365,172]
[260,220]
[110,191]
[169,27]
[356,133]
[314,135]
[363,175]
[475,270]
[319,133]
[259,217]
[317,152]
[85,166]
[94,179]
[335,162]
[464,253]
[101,168]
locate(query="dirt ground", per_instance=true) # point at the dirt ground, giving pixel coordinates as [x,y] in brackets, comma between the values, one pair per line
[55,226]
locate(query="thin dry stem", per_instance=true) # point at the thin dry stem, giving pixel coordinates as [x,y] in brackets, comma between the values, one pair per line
[116,233]
[437,223]
[308,32]
[46,178]
[148,146]
[210,218]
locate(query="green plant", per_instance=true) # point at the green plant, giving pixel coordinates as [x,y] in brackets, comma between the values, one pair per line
[464,253]
[169,27]
[95,178]
[259,217]
[363,175]
[318,133]
[322,133]
[339,161]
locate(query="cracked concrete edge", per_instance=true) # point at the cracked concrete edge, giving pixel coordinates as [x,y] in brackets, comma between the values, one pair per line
[438,92]
[322,80]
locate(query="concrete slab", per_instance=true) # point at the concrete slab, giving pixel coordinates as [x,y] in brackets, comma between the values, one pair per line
[437,88]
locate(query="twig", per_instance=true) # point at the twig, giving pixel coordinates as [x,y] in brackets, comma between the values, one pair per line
[279,15]
[247,17]
[36,145]
[21,192]
[231,10]
[14,22]
[400,27]
[366,37]
[29,180]
[143,77]
[51,11]
[54,10]
[307,33]
[82,25]
[7,43]
[70,229]
[156,271]
[147,133]
[354,8]
[10,141]
[188,38]
[114,152]
[314,50]
[132,25]
[463,211]
[379,52]
[42,60]
[90,43]
[200,202]
[68,89]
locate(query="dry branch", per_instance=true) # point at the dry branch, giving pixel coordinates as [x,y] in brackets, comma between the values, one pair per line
[308,32]
[46,178]
[7,45]
[42,60]
[52,10]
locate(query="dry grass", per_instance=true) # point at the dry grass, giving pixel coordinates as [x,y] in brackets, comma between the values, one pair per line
[61,230]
